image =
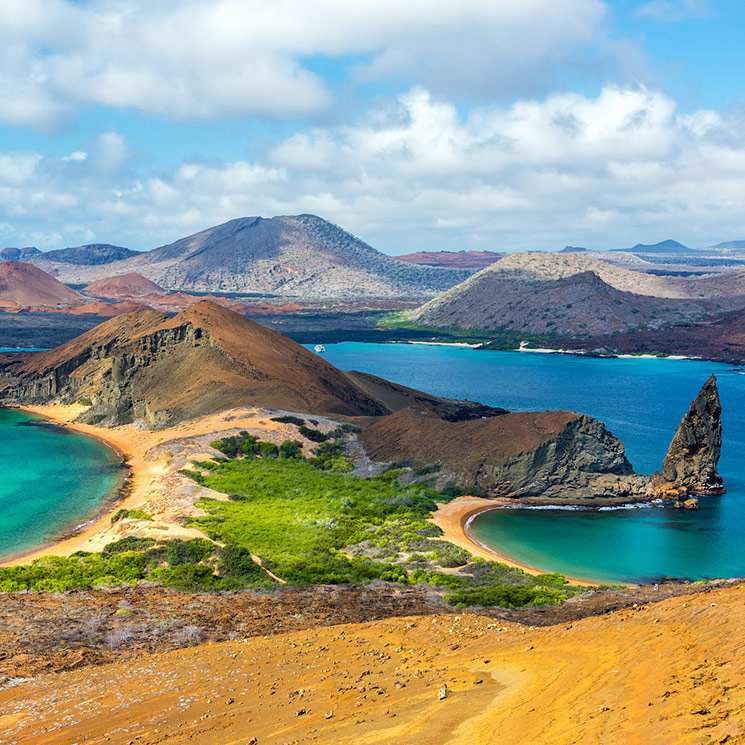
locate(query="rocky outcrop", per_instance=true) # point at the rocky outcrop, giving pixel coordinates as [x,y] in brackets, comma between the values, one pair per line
[691,462]
[558,455]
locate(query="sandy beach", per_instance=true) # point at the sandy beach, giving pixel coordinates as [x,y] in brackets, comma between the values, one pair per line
[453,518]
[154,458]
[443,344]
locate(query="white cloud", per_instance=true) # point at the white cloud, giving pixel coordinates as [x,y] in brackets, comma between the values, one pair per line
[603,172]
[670,11]
[211,59]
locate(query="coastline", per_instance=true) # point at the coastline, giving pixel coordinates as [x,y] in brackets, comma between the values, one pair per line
[582,353]
[454,518]
[153,484]
[464,344]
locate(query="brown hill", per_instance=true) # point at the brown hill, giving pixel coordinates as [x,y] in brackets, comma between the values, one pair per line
[547,454]
[148,367]
[453,259]
[290,255]
[26,285]
[123,286]
[108,310]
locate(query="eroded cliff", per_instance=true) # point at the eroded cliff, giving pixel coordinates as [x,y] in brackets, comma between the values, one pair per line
[558,455]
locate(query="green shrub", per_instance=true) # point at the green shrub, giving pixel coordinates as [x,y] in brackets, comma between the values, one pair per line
[291,449]
[509,596]
[193,551]
[314,435]
[228,446]
[268,450]
[136,514]
[289,420]
[130,543]
[236,561]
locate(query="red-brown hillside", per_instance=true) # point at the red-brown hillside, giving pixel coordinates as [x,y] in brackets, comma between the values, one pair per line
[149,367]
[721,338]
[124,286]
[24,284]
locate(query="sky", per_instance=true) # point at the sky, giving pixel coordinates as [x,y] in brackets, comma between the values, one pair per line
[500,125]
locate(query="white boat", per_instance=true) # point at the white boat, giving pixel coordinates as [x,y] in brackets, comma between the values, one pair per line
[319,348]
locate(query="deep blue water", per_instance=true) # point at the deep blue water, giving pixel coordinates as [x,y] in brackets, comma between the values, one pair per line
[52,479]
[641,401]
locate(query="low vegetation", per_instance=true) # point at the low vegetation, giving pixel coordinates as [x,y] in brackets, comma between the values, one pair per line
[302,521]
[312,523]
[197,564]
[134,514]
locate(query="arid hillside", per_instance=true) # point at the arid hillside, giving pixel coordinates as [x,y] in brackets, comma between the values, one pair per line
[666,673]
[147,367]
[455,259]
[24,284]
[300,256]
[720,338]
[573,294]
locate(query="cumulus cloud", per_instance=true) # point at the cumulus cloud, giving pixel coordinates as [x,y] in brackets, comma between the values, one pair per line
[604,171]
[670,11]
[211,59]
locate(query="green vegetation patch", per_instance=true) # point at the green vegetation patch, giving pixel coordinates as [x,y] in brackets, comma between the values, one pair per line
[136,514]
[314,526]
[191,565]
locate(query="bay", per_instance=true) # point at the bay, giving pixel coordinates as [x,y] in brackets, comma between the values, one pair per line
[641,401]
[53,479]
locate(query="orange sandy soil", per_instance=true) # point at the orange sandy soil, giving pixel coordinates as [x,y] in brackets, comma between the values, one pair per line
[156,487]
[671,672]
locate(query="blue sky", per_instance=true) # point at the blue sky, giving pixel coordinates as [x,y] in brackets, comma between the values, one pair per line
[511,125]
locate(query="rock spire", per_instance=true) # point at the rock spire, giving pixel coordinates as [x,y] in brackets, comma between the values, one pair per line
[693,455]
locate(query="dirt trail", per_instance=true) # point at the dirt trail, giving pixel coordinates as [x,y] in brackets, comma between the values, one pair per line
[670,672]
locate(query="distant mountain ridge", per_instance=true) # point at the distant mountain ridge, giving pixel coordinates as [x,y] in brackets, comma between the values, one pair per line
[454,259]
[730,244]
[668,246]
[297,256]
[19,254]
[91,254]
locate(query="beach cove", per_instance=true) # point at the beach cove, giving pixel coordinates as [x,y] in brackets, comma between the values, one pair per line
[54,480]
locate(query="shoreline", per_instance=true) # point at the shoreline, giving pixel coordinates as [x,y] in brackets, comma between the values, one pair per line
[454,519]
[115,496]
[118,495]
[153,459]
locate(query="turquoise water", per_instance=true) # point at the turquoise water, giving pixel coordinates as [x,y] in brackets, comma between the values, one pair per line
[52,480]
[641,401]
